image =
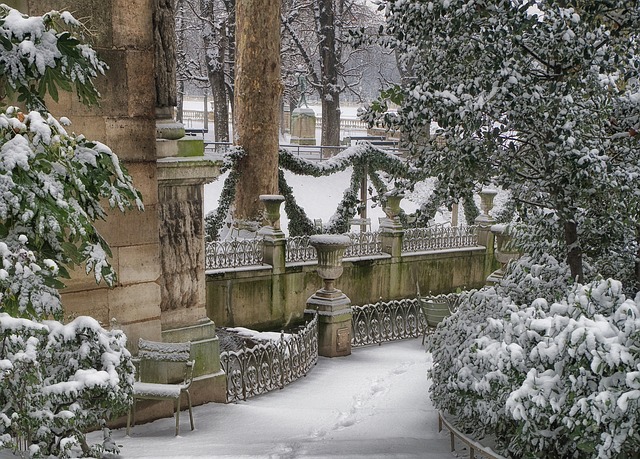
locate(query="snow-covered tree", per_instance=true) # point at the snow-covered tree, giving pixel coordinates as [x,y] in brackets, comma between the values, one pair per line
[55,380]
[539,97]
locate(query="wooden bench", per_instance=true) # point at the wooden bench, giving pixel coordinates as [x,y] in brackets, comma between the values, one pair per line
[167,353]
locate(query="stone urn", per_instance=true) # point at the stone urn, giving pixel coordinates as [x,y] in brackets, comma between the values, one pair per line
[392,206]
[272,209]
[392,210]
[487,196]
[484,220]
[330,305]
[330,249]
[505,251]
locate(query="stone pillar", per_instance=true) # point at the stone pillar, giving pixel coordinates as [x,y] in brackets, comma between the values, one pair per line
[183,283]
[391,226]
[303,126]
[332,306]
[274,240]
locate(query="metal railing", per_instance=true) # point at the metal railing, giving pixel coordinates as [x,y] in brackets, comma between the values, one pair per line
[298,249]
[233,253]
[362,244]
[476,449]
[272,365]
[392,320]
[439,237]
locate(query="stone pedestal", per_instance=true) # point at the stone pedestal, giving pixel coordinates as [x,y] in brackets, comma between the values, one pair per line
[332,306]
[303,126]
[484,222]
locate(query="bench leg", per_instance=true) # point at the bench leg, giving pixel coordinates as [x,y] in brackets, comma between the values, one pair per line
[190,411]
[178,415]
[131,417]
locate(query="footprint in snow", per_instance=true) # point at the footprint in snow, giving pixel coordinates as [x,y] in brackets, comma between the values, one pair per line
[403,368]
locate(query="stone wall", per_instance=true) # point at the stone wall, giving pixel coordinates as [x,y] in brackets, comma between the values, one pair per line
[257,298]
[158,254]
[121,32]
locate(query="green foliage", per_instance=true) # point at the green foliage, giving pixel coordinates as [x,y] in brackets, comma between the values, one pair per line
[56,381]
[537,97]
[43,54]
[546,368]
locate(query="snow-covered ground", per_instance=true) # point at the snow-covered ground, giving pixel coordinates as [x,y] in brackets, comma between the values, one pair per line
[373,403]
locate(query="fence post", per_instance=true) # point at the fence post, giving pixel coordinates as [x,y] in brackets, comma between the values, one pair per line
[274,240]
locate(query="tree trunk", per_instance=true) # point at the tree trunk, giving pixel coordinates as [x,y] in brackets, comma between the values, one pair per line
[216,44]
[164,27]
[574,253]
[330,93]
[257,101]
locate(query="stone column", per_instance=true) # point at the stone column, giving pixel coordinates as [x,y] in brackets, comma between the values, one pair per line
[122,34]
[332,306]
[274,240]
[182,257]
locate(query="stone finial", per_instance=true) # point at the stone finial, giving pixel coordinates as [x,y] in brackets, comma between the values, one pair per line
[485,220]
[486,205]
[272,209]
[330,249]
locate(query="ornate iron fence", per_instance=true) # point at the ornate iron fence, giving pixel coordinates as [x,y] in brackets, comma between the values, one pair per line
[298,249]
[363,244]
[248,252]
[392,320]
[272,365]
[439,237]
[233,253]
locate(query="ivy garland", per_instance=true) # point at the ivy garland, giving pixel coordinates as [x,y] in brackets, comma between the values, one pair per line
[214,220]
[299,222]
[364,159]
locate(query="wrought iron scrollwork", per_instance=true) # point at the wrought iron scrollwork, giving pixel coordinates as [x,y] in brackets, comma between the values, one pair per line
[233,253]
[392,320]
[270,365]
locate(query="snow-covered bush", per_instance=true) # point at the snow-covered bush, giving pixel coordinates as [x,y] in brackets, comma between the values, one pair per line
[551,377]
[56,380]
[59,380]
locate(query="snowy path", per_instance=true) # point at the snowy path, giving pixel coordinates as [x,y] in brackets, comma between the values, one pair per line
[371,404]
